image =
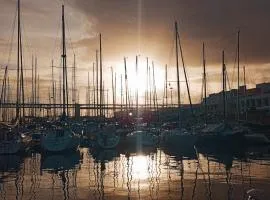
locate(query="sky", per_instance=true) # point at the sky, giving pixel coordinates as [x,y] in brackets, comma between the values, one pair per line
[144,28]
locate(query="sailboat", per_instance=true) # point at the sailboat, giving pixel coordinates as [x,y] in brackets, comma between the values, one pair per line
[178,137]
[106,137]
[11,141]
[222,133]
[58,136]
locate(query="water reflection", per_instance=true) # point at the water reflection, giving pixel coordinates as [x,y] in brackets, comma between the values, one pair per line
[164,173]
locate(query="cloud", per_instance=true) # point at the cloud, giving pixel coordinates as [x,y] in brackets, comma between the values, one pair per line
[145,27]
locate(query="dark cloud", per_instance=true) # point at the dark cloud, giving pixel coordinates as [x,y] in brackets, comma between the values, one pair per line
[214,22]
[130,27]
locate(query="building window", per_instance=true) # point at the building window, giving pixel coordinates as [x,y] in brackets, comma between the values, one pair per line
[248,102]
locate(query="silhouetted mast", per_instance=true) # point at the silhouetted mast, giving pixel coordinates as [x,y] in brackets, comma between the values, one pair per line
[177,68]
[121,93]
[166,86]
[3,92]
[53,92]
[64,61]
[184,68]
[18,63]
[88,95]
[244,68]
[126,85]
[224,86]
[101,80]
[97,94]
[204,83]
[137,96]
[35,92]
[113,95]
[154,87]
[238,74]
[94,90]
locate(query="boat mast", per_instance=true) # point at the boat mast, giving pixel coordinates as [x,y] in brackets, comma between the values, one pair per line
[245,86]
[35,92]
[150,87]
[177,68]
[88,95]
[22,79]
[18,62]
[64,61]
[224,86]
[53,92]
[137,96]
[146,92]
[204,83]
[166,86]
[126,85]
[94,90]
[238,75]
[184,67]
[3,92]
[97,102]
[101,81]
[154,87]
[113,94]
[121,93]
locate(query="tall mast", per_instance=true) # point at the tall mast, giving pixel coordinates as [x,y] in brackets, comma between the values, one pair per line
[74,80]
[18,62]
[115,92]
[154,87]
[94,90]
[166,86]
[126,85]
[137,95]
[224,86]
[97,102]
[177,64]
[101,80]
[88,95]
[3,91]
[121,93]
[238,74]
[53,92]
[38,97]
[245,92]
[177,68]
[150,87]
[204,82]
[113,95]
[146,95]
[35,92]
[184,68]
[64,60]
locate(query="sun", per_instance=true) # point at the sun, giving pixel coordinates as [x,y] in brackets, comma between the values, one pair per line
[138,80]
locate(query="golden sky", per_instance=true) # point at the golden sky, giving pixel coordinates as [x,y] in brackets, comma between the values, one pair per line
[145,28]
